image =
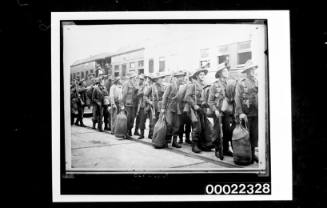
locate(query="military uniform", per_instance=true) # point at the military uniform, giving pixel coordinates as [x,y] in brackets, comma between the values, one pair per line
[185,121]
[98,98]
[194,98]
[215,100]
[139,109]
[148,109]
[129,99]
[81,93]
[247,103]
[115,100]
[172,111]
[74,105]
[157,94]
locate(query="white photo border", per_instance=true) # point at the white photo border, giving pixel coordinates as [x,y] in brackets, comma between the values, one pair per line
[280,125]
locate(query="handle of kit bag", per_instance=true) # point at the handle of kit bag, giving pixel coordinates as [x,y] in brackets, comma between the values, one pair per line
[245,124]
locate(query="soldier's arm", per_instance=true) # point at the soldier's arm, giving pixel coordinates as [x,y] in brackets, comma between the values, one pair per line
[189,95]
[165,97]
[124,93]
[238,103]
[212,98]
[147,94]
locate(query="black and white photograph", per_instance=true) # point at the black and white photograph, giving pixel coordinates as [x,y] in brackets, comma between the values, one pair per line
[165,97]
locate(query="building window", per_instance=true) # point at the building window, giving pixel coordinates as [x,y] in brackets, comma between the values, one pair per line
[242,58]
[91,71]
[123,72]
[132,65]
[141,63]
[82,75]
[151,69]
[116,74]
[161,64]
[204,64]
[116,67]
[223,59]
[141,71]
[86,74]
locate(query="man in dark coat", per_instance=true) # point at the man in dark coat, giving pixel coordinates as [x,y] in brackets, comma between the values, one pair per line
[81,98]
[128,99]
[247,104]
[98,99]
[171,108]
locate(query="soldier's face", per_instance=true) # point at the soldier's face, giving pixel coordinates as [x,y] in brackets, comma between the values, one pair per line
[251,73]
[201,76]
[225,73]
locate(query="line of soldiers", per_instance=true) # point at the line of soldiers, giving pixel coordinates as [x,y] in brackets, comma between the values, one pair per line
[185,100]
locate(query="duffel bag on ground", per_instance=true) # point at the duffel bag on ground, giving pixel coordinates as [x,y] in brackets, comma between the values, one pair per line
[121,125]
[241,145]
[159,133]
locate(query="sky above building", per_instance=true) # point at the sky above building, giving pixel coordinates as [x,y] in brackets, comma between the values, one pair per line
[81,42]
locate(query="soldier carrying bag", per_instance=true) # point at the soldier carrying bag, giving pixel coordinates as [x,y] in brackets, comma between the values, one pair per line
[241,144]
[159,132]
[121,125]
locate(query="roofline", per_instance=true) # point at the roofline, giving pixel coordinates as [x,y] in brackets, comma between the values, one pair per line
[88,61]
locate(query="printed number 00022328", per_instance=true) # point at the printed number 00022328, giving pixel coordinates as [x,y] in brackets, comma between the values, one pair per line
[238,189]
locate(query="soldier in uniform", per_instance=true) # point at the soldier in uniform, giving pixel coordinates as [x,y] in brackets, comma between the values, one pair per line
[98,99]
[157,94]
[129,97]
[194,98]
[148,105]
[139,106]
[73,102]
[247,103]
[115,100]
[185,125]
[216,96]
[171,108]
[81,98]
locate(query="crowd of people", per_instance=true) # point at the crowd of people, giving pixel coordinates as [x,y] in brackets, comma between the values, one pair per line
[183,98]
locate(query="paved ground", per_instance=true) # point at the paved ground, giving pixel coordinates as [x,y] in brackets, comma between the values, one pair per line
[101,150]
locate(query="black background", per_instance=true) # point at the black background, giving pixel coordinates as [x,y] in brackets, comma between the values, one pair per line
[26,78]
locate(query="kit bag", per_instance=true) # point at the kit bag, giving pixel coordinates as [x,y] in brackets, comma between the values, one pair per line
[159,132]
[121,125]
[241,144]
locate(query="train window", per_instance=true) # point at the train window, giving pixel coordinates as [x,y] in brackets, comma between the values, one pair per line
[132,65]
[116,74]
[223,58]
[141,71]
[242,58]
[91,71]
[82,75]
[123,71]
[151,69]
[86,74]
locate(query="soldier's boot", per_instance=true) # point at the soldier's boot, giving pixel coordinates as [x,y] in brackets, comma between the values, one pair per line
[94,123]
[180,136]
[187,138]
[82,124]
[195,147]
[77,122]
[175,144]
[142,134]
[106,126]
[254,157]
[100,126]
[136,132]
[219,152]
[226,151]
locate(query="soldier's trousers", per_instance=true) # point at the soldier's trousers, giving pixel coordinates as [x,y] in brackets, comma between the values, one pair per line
[253,131]
[173,124]
[94,113]
[198,129]
[80,114]
[141,119]
[218,140]
[185,125]
[130,117]
[228,125]
[113,116]
[98,115]
[106,115]
[138,119]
